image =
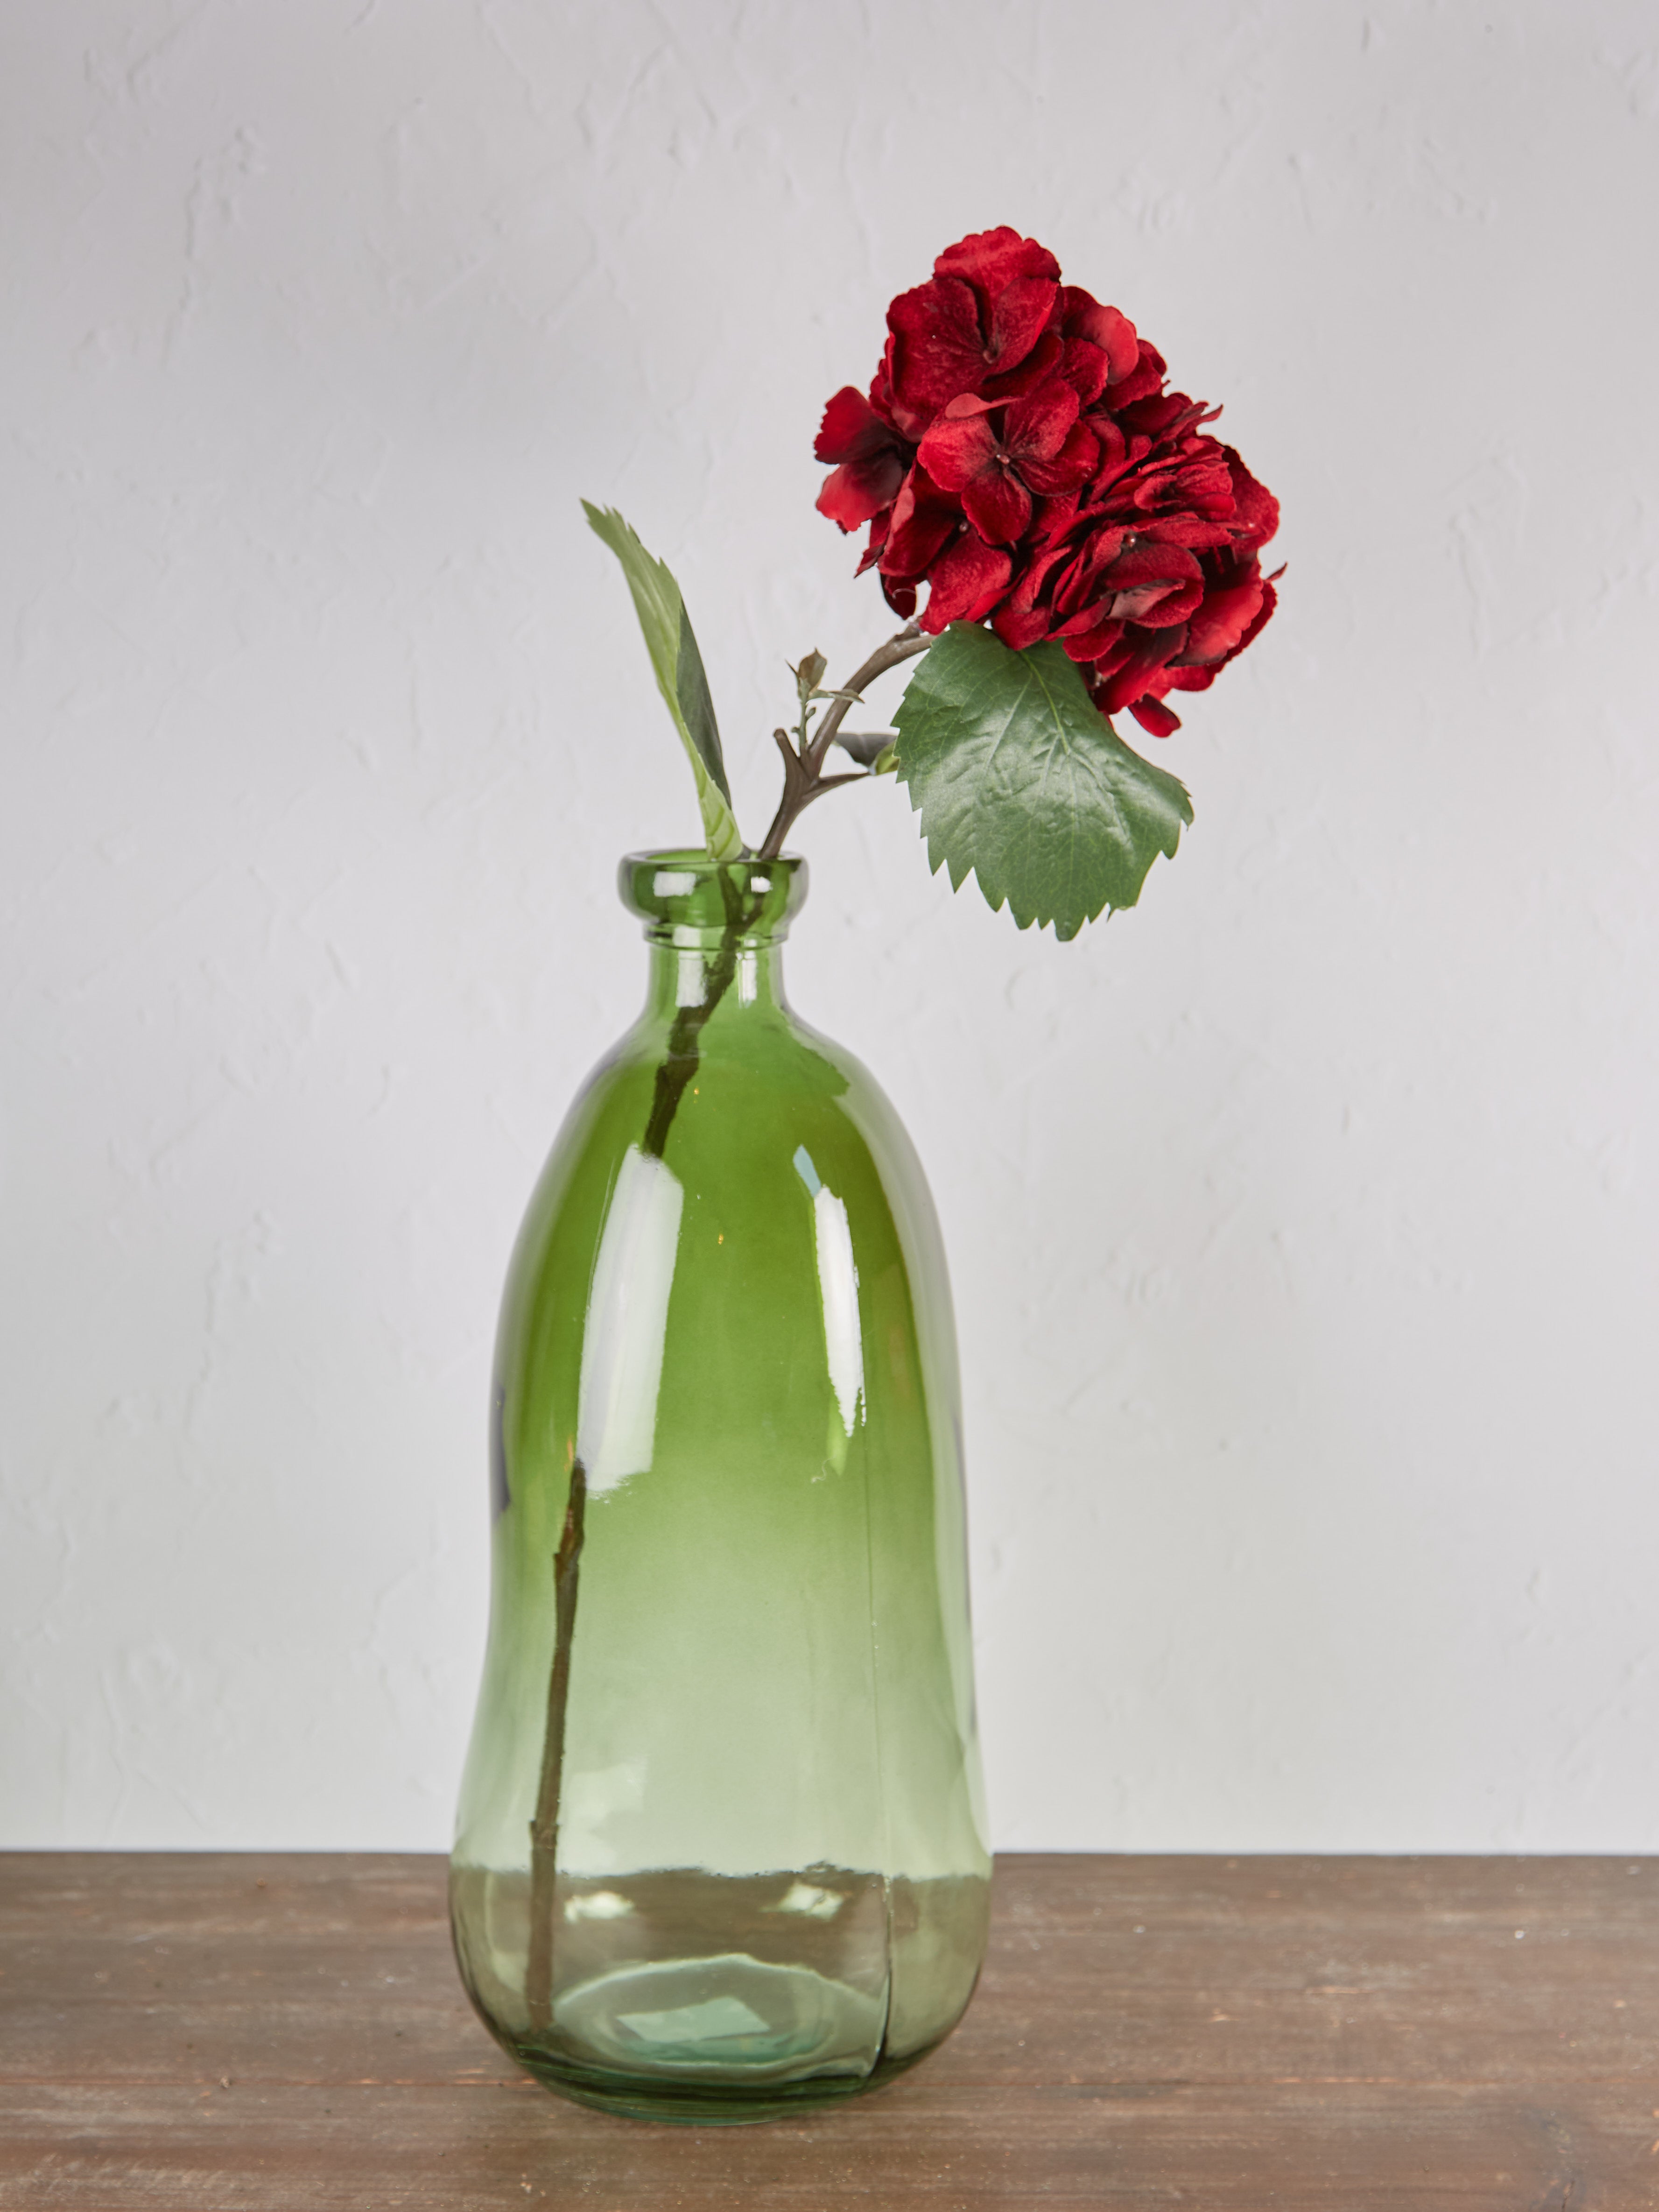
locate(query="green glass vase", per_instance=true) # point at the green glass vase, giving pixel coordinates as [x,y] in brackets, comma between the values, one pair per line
[720,1852]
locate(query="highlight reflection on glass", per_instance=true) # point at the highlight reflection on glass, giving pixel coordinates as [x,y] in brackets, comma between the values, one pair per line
[627,1314]
[838,1287]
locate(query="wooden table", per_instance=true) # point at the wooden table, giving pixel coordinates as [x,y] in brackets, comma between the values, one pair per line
[287,2032]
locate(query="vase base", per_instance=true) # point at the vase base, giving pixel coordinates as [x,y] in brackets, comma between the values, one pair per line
[680,1994]
[710,2040]
[709,2108]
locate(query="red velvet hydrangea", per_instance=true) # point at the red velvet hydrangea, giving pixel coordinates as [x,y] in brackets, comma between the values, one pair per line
[1018,453]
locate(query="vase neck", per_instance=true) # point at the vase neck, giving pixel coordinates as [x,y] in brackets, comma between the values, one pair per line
[715,929]
[682,974]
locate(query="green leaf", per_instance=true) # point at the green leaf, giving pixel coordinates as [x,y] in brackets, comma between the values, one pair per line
[680,676]
[1018,776]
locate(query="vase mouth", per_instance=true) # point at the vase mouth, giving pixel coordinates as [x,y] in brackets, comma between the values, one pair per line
[683,896]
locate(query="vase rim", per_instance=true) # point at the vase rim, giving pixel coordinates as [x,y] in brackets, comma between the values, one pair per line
[682,894]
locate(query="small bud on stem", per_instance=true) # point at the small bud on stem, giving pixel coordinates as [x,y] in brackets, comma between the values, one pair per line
[803,778]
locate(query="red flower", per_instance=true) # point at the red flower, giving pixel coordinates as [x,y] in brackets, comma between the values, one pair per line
[1101,345]
[1018,453]
[918,529]
[991,300]
[873,460]
[966,581]
[1035,444]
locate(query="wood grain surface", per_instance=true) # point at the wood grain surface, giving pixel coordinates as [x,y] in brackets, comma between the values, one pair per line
[186,2032]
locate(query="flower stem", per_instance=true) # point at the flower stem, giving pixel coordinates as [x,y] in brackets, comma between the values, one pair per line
[544,1828]
[678,1065]
[803,778]
[679,1062]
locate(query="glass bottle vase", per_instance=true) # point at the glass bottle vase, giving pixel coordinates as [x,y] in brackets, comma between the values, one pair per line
[721,1851]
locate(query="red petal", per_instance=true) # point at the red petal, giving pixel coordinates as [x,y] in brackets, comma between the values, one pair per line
[958,450]
[1199,677]
[993,259]
[886,402]
[1141,661]
[1056,512]
[1084,317]
[1253,505]
[1152,714]
[1026,616]
[1018,317]
[1217,629]
[1269,601]
[966,584]
[1068,468]
[873,459]
[860,490]
[1018,629]
[1158,606]
[1147,564]
[1093,644]
[1085,367]
[924,520]
[1114,657]
[1162,415]
[1076,588]
[1114,452]
[1144,378]
[1204,483]
[1183,679]
[998,505]
[851,425]
[1195,531]
[1038,424]
[939,350]
[1153,585]
[1044,358]
[987,307]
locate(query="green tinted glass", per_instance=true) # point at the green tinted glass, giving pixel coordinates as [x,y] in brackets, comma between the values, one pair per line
[721,1852]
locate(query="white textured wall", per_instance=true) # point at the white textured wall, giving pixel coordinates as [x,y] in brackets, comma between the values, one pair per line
[1304,1222]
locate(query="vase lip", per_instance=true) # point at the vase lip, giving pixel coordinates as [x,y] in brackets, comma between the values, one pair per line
[683,894]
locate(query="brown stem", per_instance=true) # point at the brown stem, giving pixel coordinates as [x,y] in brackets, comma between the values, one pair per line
[544,1828]
[679,1062]
[803,778]
[905,645]
[678,1065]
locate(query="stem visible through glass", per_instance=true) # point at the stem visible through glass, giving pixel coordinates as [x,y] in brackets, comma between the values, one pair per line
[678,1065]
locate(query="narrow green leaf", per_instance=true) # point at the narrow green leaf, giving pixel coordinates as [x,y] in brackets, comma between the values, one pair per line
[1018,777]
[680,675]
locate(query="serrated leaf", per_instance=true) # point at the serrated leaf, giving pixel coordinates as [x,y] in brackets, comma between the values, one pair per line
[680,675]
[1020,779]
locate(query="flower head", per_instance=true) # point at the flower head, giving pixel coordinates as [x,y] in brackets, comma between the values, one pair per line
[1019,454]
